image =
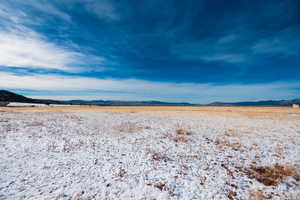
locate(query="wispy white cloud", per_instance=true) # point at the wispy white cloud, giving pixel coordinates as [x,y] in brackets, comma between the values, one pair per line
[34,52]
[21,46]
[134,89]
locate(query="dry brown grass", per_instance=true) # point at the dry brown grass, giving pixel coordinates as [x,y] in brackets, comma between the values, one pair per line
[271,176]
[120,173]
[78,196]
[181,132]
[231,132]
[51,146]
[163,186]
[159,157]
[224,142]
[231,195]
[258,195]
[36,123]
[160,186]
[128,127]
[156,156]
[238,111]
[182,139]
[67,147]
[202,179]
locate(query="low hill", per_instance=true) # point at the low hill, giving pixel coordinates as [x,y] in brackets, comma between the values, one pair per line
[7,96]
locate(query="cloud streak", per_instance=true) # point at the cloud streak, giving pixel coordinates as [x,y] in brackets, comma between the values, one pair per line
[141,89]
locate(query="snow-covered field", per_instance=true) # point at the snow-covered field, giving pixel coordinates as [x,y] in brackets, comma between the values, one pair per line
[159,154]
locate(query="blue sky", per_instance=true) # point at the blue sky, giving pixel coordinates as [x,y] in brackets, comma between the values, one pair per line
[193,51]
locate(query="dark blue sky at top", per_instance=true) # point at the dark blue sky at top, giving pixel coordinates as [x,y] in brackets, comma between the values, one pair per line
[170,40]
[195,41]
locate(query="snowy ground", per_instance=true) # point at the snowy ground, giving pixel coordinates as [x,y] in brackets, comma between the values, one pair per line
[102,154]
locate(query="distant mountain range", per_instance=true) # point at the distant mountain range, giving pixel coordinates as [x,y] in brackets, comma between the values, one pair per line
[259,103]
[7,96]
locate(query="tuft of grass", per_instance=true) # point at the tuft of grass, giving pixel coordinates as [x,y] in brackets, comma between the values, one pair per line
[163,186]
[218,140]
[35,123]
[159,157]
[181,132]
[231,195]
[128,127]
[67,146]
[258,195]
[78,196]
[226,143]
[182,139]
[51,146]
[231,132]
[202,180]
[120,173]
[160,186]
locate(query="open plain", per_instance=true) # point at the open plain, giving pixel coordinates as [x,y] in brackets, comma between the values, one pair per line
[82,153]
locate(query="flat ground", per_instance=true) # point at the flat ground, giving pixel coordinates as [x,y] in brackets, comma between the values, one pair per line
[150,153]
